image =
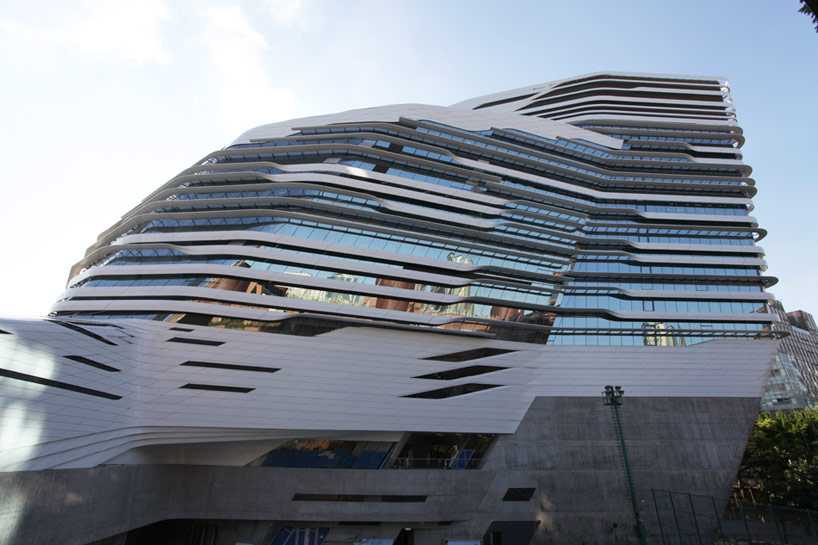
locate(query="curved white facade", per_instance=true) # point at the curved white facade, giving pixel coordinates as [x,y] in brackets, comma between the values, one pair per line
[351,383]
[493,219]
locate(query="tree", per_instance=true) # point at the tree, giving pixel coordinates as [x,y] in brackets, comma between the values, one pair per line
[806,8]
[780,464]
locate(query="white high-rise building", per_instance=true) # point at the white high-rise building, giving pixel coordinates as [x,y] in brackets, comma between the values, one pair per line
[395,323]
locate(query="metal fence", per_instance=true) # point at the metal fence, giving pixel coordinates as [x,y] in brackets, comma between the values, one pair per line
[689,519]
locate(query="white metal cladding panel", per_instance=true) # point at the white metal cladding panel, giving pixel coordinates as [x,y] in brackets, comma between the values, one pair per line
[600,195]
[543,88]
[350,380]
[469,120]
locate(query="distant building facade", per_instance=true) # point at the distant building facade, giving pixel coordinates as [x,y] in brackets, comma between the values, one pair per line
[793,382]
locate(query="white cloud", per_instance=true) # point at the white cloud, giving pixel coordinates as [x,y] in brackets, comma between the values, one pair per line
[123,29]
[285,12]
[22,30]
[247,94]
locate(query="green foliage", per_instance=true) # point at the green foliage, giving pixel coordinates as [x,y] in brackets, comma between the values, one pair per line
[805,8]
[780,464]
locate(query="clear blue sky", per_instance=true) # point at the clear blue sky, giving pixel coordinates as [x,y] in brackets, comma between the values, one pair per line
[102,101]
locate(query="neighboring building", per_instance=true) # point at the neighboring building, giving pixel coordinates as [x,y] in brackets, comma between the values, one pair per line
[396,323]
[794,379]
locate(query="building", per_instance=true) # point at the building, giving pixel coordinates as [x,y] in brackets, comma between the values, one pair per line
[395,324]
[793,381]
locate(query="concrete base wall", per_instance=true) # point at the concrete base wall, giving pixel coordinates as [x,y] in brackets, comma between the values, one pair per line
[566,448]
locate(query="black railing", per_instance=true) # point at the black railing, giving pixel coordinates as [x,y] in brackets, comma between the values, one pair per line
[436,463]
[689,519]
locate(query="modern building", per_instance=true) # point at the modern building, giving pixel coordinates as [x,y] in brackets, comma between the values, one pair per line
[394,325]
[793,381]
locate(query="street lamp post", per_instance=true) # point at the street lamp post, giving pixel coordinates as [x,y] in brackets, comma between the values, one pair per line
[612,396]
